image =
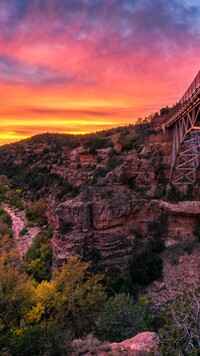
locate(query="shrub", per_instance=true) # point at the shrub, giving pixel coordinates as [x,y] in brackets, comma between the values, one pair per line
[65,227]
[156,244]
[67,188]
[117,281]
[137,233]
[158,227]
[36,212]
[145,267]
[128,141]
[121,318]
[23,232]
[127,179]
[90,345]
[5,217]
[17,202]
[39,257]
[94,142]
[172,195]
[100,172]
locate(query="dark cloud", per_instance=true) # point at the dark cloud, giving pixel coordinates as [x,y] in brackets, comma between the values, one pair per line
[16,71]
[130,31]
[129,19]
[98,112]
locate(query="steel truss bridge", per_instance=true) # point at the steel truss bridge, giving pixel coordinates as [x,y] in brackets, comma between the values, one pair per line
[184,119]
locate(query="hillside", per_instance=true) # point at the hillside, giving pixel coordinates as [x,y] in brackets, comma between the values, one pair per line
[107,199]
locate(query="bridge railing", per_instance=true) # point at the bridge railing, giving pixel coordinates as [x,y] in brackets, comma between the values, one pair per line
[192,88]
[190,92]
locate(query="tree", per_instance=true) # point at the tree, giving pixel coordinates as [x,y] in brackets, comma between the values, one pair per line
[122,318]
[36,212]
[79,295]
[145,266]
[16,298]
[181,333]
[164,111]
[39,257]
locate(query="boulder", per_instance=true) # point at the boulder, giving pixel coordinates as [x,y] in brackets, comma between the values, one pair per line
[142,342]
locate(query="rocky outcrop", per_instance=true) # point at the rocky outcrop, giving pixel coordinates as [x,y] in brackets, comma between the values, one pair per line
[188,208]
[100,228]
[104,227]
[75,212]
[142,344]
[107,215]
[137,345]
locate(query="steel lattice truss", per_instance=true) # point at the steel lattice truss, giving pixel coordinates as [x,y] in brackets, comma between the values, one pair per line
[184,118]
[186,148]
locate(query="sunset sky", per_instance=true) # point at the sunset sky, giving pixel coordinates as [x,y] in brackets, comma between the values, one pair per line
[85,65]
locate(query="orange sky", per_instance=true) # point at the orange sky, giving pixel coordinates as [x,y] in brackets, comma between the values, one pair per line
[89,65]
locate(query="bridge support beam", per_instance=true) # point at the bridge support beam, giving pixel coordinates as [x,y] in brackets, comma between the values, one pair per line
[186,148]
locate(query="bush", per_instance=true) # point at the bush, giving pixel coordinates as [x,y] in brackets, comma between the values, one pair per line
[39,257]
[100,172]
[145,267]
[137,233]
[67,188]
[158,228]
[172,195]
[90,345]
[94,142]
[65,227]
[23,232]
[120,282]
[5,218]
[121,318]
[128,141]
[36,212]
[156,244]
[127,179]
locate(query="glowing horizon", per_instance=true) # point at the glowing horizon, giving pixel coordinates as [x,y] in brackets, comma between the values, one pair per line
[84,66]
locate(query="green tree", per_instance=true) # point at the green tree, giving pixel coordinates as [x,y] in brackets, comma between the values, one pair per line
[39,257]
[122,318]
[145,267]
[79,295]
[5,217]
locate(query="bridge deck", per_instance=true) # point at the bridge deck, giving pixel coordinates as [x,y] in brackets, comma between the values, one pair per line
[188,100]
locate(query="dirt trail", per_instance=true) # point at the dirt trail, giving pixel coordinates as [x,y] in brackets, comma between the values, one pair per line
[19,223]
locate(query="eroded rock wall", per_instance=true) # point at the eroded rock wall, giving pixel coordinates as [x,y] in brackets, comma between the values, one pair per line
[102,227]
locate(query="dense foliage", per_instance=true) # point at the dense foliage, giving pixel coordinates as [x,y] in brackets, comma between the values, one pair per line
[39,257]
[122,318]
[145,266]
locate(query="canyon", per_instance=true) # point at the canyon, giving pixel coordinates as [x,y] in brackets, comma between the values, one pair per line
[102,200]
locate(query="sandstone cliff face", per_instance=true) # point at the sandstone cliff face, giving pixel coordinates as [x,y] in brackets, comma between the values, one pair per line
[97,226]
[103,217]
[106,227]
